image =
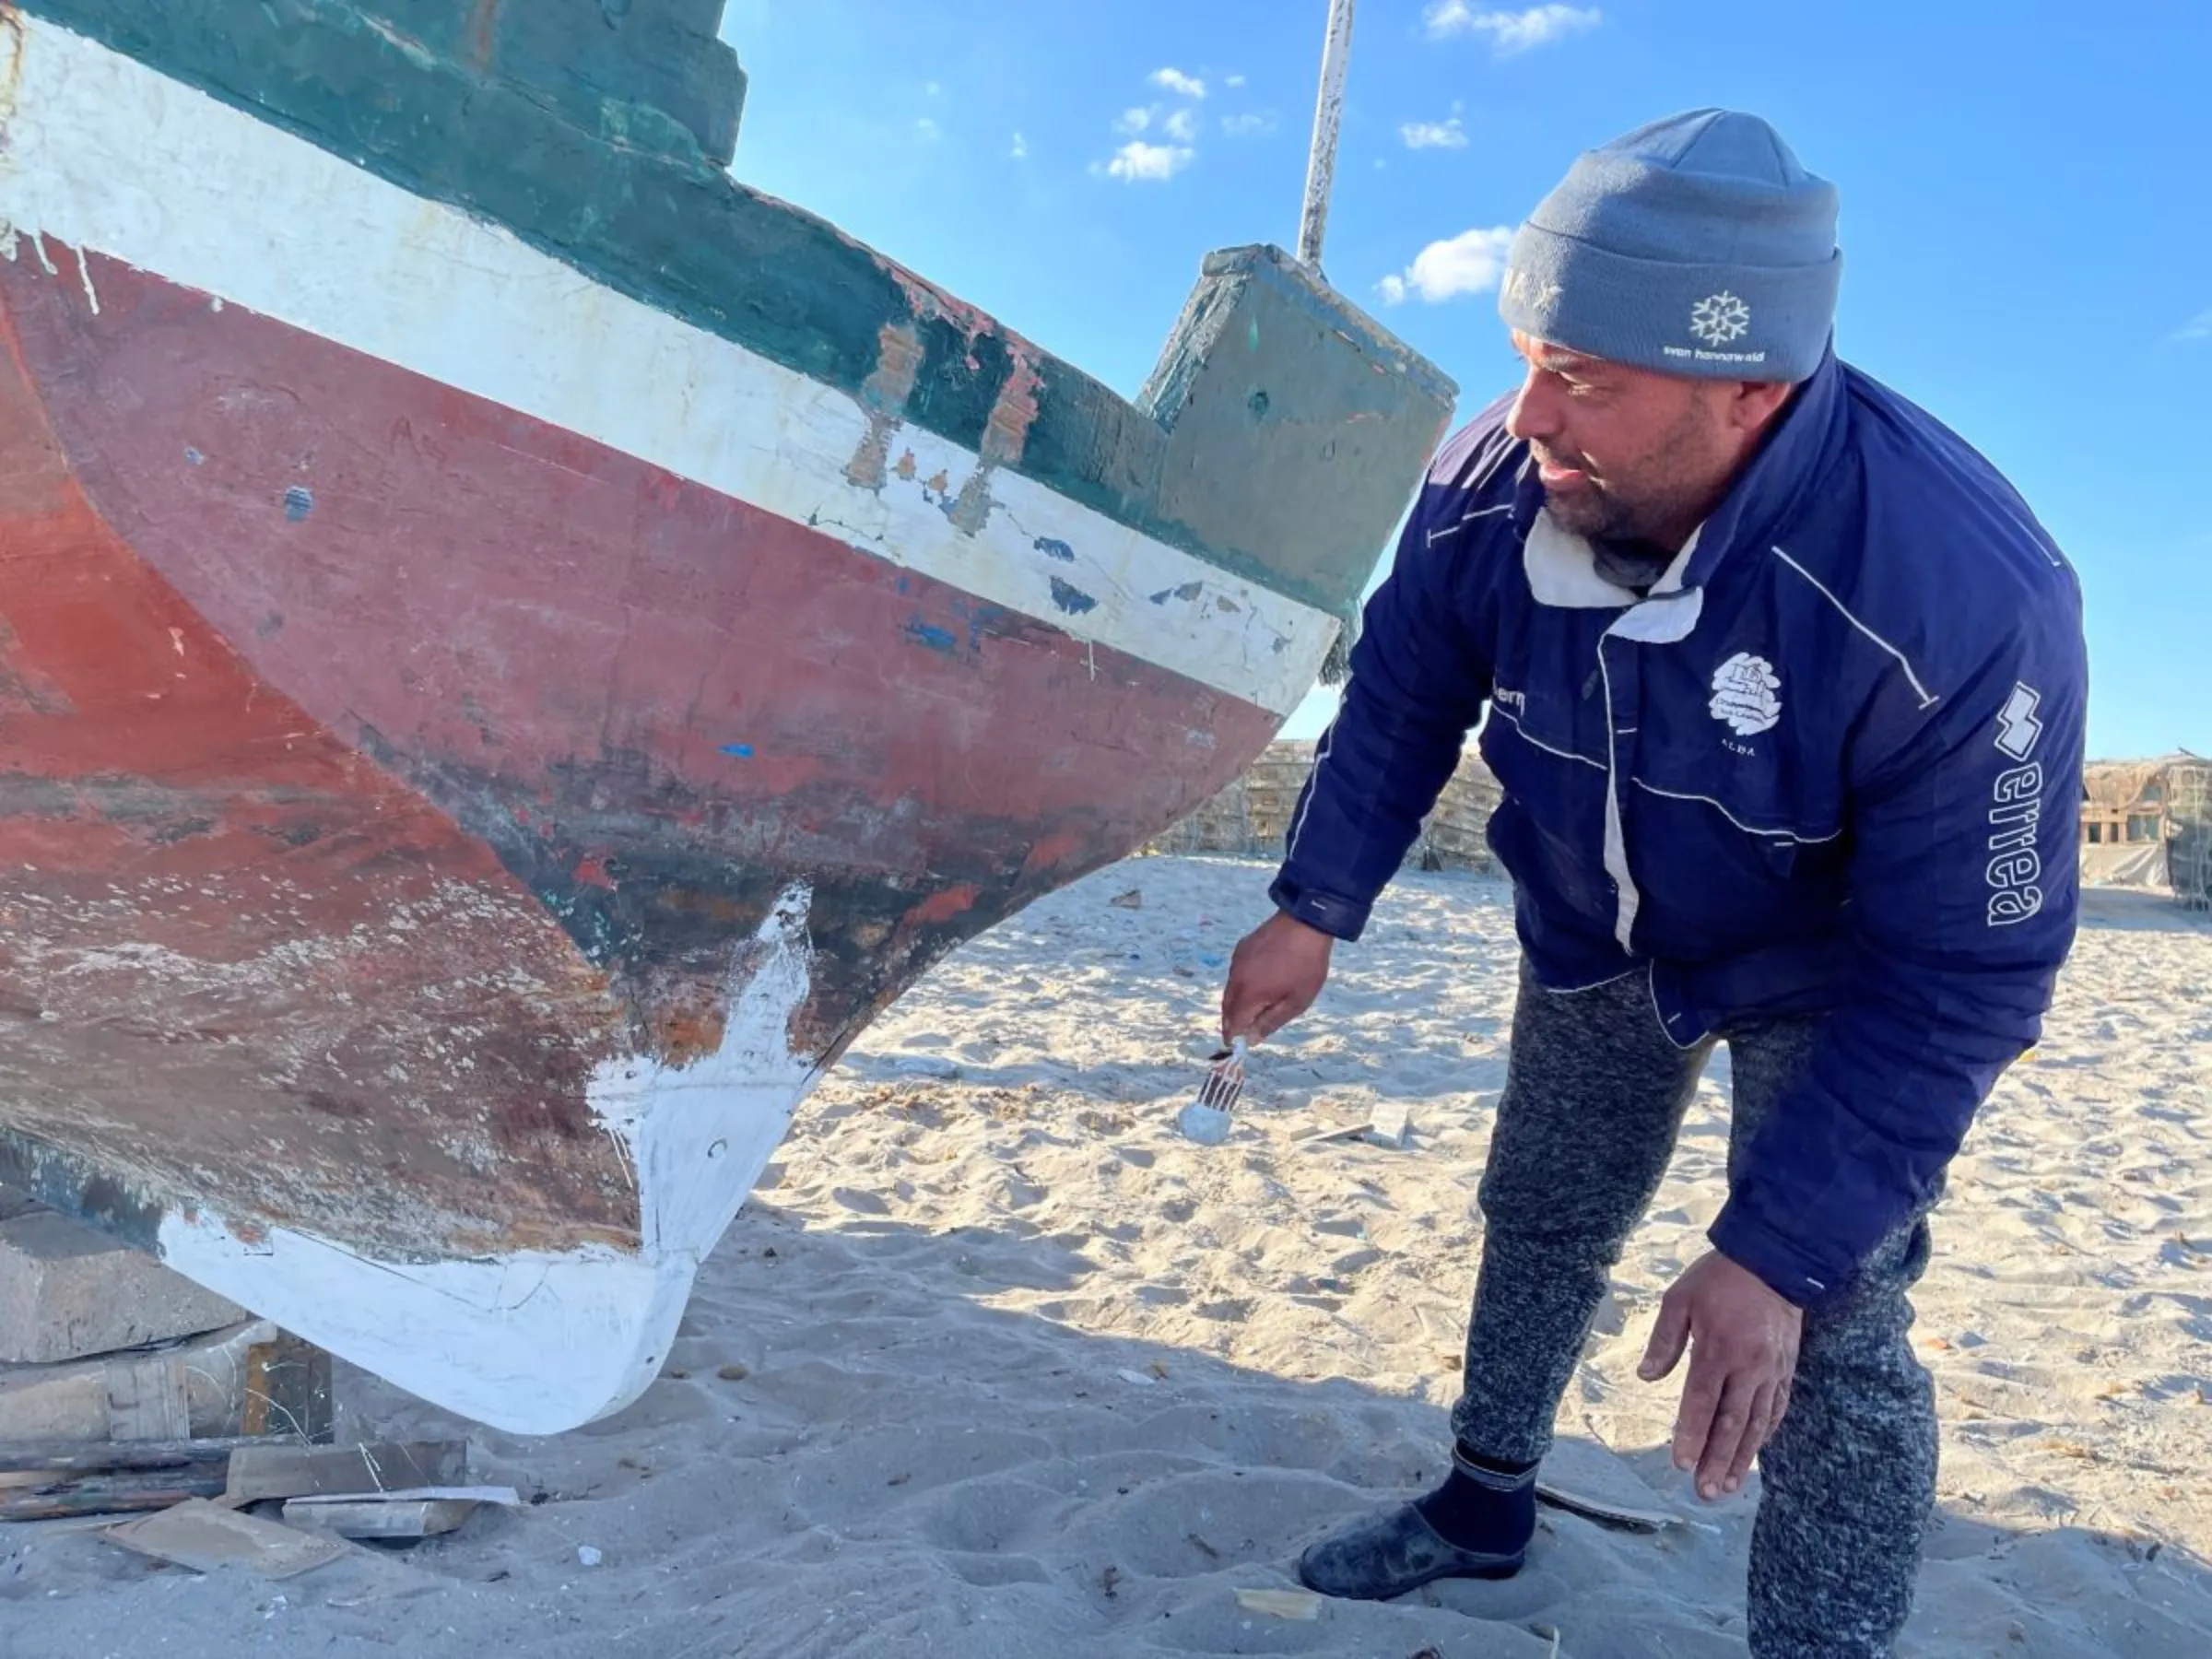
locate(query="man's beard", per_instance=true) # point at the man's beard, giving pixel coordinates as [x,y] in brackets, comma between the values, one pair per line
[1593,513]
[1664,495]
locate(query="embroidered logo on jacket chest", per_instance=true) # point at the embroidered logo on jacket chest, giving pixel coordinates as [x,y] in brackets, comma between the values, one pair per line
[1746,695]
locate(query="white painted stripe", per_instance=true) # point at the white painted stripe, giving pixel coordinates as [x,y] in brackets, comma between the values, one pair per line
[1927,698]
[1788,835]
[84,272]
[1630,901]
[530,1342]
[1535,743]
[102,152]
[533,1341]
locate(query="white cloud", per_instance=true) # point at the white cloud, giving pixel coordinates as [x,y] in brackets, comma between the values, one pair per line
[929,130]
[1247,127]
[1233,81]
[1142,158]
[2198,327]
[1434,134]
[1138,161]
[1510,32]
[1020,151]
[1466,264]
[930,89]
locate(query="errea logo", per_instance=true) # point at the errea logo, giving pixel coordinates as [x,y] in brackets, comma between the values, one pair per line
[2017,728]
[2015,872]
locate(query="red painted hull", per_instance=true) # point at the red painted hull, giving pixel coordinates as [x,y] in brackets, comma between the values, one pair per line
[375,761]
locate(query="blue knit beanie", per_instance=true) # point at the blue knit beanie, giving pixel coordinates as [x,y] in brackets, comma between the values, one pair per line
[1696,246]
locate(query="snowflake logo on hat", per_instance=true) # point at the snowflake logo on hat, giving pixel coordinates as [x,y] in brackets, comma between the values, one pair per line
[1718,318]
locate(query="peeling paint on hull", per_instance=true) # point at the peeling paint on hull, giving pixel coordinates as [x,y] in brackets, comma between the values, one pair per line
[476,746]
[554,643]
[528,1339]
[360,266]
[380,835]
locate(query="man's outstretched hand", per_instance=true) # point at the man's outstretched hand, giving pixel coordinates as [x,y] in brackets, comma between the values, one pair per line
[1277,972]
[1742,1352]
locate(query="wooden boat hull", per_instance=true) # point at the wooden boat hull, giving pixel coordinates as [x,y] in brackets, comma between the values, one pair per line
[475,745]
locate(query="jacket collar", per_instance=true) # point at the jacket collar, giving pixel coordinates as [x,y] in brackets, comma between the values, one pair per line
[1563,569]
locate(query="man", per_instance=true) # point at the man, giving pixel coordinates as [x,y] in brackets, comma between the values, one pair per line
[1785,692]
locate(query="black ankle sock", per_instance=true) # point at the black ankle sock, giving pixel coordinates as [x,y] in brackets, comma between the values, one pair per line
[1484,1505]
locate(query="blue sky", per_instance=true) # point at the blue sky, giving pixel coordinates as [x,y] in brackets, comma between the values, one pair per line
[2027,209]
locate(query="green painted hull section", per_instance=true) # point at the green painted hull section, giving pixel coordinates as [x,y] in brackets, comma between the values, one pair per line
[653,70]
[1279,440]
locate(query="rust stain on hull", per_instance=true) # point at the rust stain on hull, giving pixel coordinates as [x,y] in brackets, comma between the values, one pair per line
[1005,434]
[483,33]
[898,354]
[240,961]
[371,830]
[11,76]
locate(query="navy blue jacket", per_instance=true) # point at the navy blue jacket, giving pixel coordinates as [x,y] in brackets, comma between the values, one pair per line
[1831,765]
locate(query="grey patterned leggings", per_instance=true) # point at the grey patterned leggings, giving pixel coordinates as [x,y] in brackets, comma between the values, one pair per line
[1594,1094]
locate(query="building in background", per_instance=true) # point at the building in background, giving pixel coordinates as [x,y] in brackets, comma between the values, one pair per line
[1252,817]
[2124,801]
[2148,823]
[2144,823]
[2189,831]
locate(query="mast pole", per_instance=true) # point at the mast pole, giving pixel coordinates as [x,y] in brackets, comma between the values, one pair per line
[1328,112]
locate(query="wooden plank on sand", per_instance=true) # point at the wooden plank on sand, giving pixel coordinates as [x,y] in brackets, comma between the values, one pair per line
[1589,1479]
[74,1456]
[420,1513]
[1390,1126]
[196,1389]
[1301,1605]
[57,1480]
[203,1537]
[288,1388]
[380,1517]
[259,1471]
[64,1497]
[1314,1137]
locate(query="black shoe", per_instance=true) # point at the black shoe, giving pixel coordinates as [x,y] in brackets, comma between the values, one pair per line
[1390,1554]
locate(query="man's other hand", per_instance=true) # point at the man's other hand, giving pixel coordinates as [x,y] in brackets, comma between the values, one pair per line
[1278,971]
[1742,1352]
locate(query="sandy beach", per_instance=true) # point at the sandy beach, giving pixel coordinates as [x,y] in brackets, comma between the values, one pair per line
[997,1365]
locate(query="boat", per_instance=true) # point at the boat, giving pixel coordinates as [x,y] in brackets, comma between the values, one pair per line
[515,647]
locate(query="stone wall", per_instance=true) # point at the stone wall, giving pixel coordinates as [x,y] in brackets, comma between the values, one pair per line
[1252,817]
[2189,842]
